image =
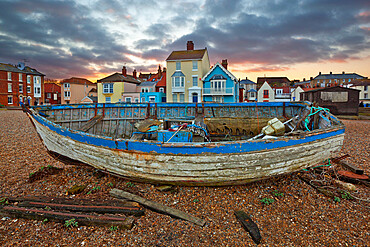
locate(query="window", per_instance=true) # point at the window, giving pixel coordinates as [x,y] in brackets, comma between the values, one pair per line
[178,81]
[279,91]
[151,99]
[365,88]
[20,77]
[67,94]
[10,88]
[136,100]
[9,76]
[195,65]
[48,95]
[218,86]
[146,90]
[178,65]
[55,96]
[265,93]
[28,89]
[142,99]
[108,88]
[195,81]
[174,97]
[37,90]
[182,97]
[21,88]
[161,90]
[252,94]
[10,99]
[107,99]
[349,80]
[20,98]
[128,99]
[67,85]
[142,90]
[28,79]
[365,96]
[218,99]
[344,80]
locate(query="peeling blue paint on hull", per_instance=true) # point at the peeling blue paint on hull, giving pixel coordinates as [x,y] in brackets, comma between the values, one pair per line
[194,164]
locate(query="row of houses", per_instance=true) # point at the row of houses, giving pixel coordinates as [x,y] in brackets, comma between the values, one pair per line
[188,77]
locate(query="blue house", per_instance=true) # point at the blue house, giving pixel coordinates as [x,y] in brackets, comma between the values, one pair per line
[219,85]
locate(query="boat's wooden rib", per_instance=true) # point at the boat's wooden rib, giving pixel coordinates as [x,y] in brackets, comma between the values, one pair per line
[96,119]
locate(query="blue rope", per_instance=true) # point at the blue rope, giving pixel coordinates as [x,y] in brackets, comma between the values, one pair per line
[318,109]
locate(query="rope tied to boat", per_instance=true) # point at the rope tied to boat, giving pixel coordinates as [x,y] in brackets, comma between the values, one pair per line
[317,110]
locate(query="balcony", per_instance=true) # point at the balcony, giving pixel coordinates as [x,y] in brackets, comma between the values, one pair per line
[282,96]
[218,91]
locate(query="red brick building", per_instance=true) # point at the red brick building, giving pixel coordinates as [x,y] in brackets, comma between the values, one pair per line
[20,83]
[52,93]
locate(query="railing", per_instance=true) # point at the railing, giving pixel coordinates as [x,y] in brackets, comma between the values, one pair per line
[282,96]
[218,91]
[178,89]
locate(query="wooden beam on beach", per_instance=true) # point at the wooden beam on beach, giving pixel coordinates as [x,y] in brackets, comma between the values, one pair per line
[85,208]
[157,206]
[62,217]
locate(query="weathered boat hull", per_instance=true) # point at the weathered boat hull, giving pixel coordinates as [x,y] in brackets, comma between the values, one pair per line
[194,164]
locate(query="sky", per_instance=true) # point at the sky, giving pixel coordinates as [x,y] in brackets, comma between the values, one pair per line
[94,38]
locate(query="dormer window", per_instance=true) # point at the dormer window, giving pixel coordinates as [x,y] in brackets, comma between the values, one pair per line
[161,90]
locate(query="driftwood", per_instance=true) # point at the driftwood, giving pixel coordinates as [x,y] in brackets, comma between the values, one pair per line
[157,206]
[249,226]
[351,167]
[136,211]
[74,201]
[82,219]
[325,192]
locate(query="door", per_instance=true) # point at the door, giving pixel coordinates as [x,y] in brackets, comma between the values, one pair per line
[195,97]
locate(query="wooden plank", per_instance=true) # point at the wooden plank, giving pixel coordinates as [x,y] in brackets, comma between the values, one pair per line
[157,206]
[82,219]
[351,167]
[85,208]
[96,119]
[249,226]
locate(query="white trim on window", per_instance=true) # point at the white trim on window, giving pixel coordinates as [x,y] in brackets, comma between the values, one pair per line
[10,88]
[20,77]
[10,99]
[9,76]
[21,88]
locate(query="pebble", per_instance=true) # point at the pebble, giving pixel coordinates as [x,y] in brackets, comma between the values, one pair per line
[301,217]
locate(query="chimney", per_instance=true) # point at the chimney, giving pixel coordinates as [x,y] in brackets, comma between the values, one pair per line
[134,73]
[311,78]
[159,71]
[124,71]
[224,63]
[319,73]
[190,46]
[246,78]
[331,72]
[304,79]
[164,69]
[343,72]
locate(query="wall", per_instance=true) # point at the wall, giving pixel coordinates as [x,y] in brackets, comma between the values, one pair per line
[260,97]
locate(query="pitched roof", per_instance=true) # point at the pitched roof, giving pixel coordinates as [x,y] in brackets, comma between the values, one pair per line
[261,80]
[26,69]
[339,76]
[326,88]
[9,67]
[364,82]
[162,80]
[187,55]
[232,77]
[117,77]
[76,80]
[246,81]
[148,83]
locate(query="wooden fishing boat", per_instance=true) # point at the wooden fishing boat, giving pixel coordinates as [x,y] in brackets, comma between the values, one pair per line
[204,144]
